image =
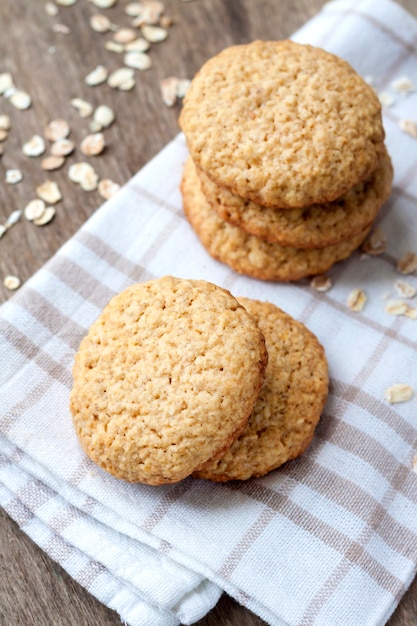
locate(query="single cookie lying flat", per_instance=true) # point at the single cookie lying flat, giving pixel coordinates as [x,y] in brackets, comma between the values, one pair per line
[283,124]
[289,406]
[166,379]
[316,226]
[251,255]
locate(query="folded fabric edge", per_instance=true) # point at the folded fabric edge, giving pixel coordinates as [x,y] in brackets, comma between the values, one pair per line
[185,602]
[91,575]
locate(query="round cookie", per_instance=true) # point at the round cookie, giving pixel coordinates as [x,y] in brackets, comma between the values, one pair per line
[166,379]
[282,124]
[316,226]
[251,255]
[289,406]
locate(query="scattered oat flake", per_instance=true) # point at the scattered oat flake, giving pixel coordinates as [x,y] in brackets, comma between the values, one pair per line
[13,218]
[93,145]
[5,123]
[133,9]
[62,147]
[12,282]
[169,90]
[154,34]
[95,127]
[396,307]
[398,393]
[111,45]
[385,99]
[34,147]
[356,300]
[107,188]
[137,60]
[100,23]
[34,209]
[49,192]
[120,77]
[411,312]
[104,116]
[182,87]
[57,129]
[151,11]
[138,45]
[97,76]
[3,229]
[6,82]
[403,84]
[13,176]
[409,127]
[84,108]
[375,243]
[20,100]
[46,216]
[66,3]
[83,174]
[404,289]
[62,29]
[407,264]
[51,9]
[9,92]
[124,35]
[104,4]
[321,283]
[3,134]
[51,163]
[128,85]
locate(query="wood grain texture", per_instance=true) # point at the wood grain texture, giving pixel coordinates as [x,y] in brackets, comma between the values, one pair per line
[51,67]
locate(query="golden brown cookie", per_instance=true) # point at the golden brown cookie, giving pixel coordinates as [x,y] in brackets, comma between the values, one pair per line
[289,406]
[282,124]
[317,226]
[251,255]
[166,379]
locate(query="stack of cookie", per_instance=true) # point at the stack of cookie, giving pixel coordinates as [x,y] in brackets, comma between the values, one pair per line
[288,167]
[178,378]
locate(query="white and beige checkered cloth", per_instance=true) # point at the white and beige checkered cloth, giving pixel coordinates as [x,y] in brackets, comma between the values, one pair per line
[329,539]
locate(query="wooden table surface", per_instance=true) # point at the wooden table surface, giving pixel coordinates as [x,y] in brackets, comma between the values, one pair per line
[50,65]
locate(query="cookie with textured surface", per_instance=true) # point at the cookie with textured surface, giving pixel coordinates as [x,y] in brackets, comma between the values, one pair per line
[316,226]
[250,255]
[166,379]
[282,124]
[289,406]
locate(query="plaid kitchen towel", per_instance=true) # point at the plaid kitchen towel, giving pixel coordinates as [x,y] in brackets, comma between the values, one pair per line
[330,538]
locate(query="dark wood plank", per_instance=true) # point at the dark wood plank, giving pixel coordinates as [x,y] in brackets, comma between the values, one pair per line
[51,67]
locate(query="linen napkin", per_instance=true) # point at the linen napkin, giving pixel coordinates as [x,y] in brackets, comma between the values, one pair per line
[330,538]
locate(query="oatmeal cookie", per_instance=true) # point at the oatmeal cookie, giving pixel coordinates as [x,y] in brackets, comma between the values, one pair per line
[289,406]
[282,124]
[316,226]
[166,379]
[251,255]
